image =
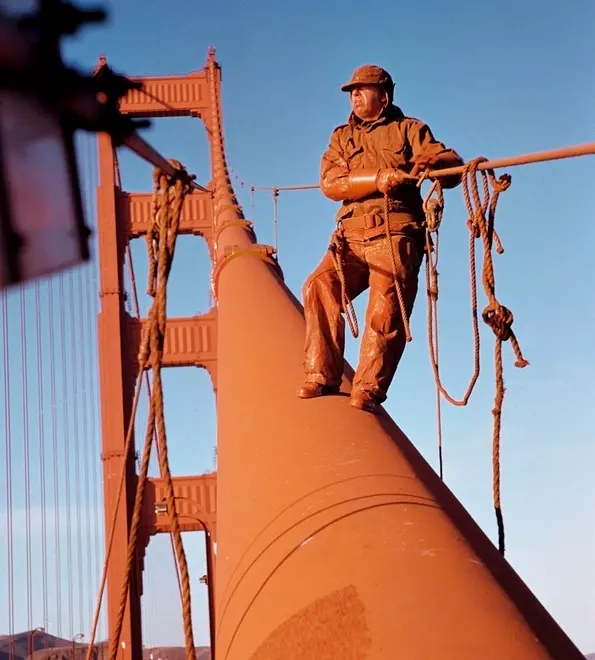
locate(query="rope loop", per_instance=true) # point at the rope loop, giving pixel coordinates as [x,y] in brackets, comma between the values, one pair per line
[481,213]
[433,206]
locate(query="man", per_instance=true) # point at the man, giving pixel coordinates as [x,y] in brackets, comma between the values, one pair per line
[379,151]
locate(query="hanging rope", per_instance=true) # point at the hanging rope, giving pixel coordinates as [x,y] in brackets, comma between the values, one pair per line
[168,199]
[336,248]
[481,218]
[136,303]
[400,298]
[275,193]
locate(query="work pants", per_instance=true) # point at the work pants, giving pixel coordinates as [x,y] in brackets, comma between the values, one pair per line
[366,263]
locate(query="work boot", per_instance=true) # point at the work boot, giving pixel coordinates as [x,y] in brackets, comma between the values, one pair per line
[364,400]
[312,390]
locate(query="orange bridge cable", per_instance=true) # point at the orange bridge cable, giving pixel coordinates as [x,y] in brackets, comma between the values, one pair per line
[66,438]
[8,474]
[56,458]
[168,199]
[42,452]
[27,452]
[136,304]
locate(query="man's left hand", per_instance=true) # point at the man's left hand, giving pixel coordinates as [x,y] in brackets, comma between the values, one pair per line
[422,162]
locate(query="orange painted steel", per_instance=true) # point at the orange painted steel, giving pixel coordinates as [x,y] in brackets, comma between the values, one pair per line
[116,387]
[335,537]
[190,341]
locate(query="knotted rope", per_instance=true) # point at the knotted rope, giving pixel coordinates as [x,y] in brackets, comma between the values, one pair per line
[481,218]
[168,199]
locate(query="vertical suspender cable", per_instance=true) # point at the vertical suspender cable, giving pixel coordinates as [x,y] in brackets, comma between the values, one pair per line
[27,451]
[56,458]
[8,474]
[66,436]
[42,455]
[77,437]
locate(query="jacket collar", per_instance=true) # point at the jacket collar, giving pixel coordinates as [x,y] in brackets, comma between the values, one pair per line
[391,113]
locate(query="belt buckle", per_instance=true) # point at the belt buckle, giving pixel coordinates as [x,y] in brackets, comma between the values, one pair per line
[370,220]
[373,220]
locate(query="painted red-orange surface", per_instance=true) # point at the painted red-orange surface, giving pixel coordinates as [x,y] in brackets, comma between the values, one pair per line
[335,539]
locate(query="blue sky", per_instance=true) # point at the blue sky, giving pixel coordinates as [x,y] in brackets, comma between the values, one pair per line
[489,81]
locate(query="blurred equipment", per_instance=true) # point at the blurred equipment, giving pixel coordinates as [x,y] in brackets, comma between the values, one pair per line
[42,103]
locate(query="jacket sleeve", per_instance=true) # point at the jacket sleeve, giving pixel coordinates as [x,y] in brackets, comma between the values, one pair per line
[334,171]
[423,142]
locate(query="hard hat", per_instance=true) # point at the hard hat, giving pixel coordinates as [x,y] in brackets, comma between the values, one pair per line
[370,74]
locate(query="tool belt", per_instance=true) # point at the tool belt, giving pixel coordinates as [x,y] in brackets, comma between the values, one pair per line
[365,221]
[402,223]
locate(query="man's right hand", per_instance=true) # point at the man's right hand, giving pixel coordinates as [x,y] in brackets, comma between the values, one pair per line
[388,179]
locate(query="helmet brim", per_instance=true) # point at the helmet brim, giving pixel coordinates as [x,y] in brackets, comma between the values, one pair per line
[348,86]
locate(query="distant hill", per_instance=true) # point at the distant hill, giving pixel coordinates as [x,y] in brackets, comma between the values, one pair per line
[50,647]
[19,649]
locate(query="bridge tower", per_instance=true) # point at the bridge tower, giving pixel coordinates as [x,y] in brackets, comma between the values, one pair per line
[191,341]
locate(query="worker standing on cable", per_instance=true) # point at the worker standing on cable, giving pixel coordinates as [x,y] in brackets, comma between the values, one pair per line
[376,153]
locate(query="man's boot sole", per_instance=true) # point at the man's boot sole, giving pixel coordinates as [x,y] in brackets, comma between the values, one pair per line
[325,390]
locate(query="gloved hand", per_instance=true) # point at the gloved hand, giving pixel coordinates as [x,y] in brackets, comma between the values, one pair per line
[388,179]
[422,162]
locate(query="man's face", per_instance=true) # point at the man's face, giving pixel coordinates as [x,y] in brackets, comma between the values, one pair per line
[368,101]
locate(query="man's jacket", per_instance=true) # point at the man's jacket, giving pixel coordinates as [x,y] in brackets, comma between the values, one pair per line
[391,141]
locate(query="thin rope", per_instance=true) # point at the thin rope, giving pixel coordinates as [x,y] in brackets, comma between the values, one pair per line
[336,251]
[275,194]
[136,305]
[393,259]
[495,315]
[481,218]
